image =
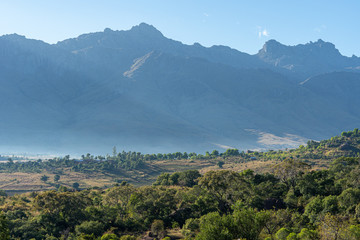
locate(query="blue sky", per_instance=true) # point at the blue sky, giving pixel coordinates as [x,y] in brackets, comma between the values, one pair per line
[240,24]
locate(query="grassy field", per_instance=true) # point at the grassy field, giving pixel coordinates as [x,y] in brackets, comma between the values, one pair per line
[19,182]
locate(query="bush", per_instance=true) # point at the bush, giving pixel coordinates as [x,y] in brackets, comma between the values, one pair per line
[109,236]
[4,228]
[282,234]
[75,185]
[191,227]
[128,237]
[44,178]
[157,228]
[307,234]
[90,227]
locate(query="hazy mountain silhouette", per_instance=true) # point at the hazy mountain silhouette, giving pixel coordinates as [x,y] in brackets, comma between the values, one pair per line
[141,91]
[306,60]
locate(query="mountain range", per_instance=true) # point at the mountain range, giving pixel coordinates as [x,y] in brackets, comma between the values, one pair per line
[141,91]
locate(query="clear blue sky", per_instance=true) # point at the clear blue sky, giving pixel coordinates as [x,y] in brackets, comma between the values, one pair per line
[240,24]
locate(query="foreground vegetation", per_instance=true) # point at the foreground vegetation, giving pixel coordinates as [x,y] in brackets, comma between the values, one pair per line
[308,193]
[292,203]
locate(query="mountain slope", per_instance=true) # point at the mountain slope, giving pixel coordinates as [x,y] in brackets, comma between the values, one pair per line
[141,91]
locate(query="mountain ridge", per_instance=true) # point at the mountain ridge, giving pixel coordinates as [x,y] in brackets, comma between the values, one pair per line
[137,87]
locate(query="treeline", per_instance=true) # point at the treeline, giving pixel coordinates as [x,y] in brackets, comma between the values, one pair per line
[117,161]
[346,145]
[88,163]
[4,158]
[291,202]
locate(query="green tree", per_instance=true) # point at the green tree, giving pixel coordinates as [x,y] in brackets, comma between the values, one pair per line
[332,227]
[128,237]
[90,227]
[44,178]
[119,197]
[231,152]
[3,193]
[114,152]
[157,229]
[4,227]
[60,210]
[86,237]
[274,220]
[150,203]
[215,153]
[56,177]
[188,178]
[348,199]
[220,164]
[76,185]
[352,232]
[292,236]
[226,187]
[282,234]
[215,227]
[307,234]
[288,170]
[314,208]
[191,227]
[163,179]
[109,236]
[330,204]
[247,222]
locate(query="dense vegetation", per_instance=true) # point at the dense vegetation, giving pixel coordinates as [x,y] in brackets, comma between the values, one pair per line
[290,201]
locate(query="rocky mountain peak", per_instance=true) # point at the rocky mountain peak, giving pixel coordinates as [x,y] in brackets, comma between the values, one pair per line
[146,29]
[273,48]
[271,45]
[323,46]
[13,36]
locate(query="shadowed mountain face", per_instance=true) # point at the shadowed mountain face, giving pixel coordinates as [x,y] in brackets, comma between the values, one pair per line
[139,90]
[306,60]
